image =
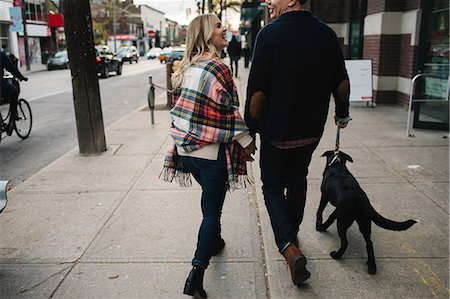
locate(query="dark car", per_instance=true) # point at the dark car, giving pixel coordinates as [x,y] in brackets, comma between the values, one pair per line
[107,62]
[129,54]
[176,54]
[59,60]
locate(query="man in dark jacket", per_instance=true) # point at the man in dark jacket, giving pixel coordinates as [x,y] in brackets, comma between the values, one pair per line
[9,91]
[287,104]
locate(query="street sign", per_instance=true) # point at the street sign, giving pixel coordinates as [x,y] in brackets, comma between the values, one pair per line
[16,24]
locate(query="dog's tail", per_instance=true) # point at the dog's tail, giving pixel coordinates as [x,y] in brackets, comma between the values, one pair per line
[384,222]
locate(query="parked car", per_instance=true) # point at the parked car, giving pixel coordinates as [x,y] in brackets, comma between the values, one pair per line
[129,54]
[176,54]
[153,53]
[165,53]
[107,62]
[59,60]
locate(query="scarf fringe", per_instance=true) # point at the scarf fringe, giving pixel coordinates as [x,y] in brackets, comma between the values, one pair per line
[239,182]
[184,179]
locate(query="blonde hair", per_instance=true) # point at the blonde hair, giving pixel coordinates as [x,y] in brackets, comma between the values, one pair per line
[198,42]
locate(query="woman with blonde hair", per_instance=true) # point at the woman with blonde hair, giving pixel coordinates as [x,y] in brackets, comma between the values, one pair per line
[211,140]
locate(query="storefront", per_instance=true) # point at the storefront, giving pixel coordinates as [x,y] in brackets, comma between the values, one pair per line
[39,44]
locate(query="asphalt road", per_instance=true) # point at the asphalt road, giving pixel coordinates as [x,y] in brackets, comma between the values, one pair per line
[54,127]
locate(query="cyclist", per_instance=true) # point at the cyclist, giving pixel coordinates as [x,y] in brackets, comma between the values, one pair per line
[8,90]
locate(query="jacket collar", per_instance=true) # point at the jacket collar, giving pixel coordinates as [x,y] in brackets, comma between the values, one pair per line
[300,15]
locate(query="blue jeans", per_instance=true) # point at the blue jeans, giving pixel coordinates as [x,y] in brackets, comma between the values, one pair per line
[283,173]
[212,177]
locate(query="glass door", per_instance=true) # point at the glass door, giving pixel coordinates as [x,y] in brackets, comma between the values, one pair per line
[433,111]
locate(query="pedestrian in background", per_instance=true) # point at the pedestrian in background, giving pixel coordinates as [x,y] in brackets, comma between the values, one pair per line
[287,104]
[211,140]
[247,54]
[235,52]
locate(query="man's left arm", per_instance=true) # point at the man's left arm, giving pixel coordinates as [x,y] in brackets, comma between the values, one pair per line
[341,92]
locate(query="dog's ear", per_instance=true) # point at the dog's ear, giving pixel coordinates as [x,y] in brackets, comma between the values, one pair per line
[327,154]
[346,157]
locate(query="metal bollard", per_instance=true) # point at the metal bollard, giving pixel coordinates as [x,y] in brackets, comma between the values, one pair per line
[151,99]
[3,197]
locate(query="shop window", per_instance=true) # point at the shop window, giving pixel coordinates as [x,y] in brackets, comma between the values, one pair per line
[36,10]
[358,11]
[4,37]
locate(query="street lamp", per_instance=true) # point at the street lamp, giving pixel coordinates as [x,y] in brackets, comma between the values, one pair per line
[113,3]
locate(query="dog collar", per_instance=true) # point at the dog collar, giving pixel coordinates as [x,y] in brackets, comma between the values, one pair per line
[335,158]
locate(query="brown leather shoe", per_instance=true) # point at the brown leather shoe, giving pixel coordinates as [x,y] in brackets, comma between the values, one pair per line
[297,264]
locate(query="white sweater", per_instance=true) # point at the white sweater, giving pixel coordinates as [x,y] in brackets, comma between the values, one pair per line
[211,151]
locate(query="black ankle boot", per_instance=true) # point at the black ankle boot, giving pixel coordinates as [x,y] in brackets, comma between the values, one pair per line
[219,247]
[194,283]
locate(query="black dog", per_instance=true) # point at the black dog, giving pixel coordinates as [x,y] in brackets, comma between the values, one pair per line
[341,189]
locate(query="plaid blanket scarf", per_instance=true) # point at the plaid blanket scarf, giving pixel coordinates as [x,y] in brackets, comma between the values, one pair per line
[206,112]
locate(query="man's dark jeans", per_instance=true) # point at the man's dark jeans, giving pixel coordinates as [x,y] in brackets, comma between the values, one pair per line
[285,170]
[212,177]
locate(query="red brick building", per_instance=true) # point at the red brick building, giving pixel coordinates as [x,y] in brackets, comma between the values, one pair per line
[402,38]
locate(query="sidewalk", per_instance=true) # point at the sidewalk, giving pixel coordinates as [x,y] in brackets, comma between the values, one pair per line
[106,227]
[33,68]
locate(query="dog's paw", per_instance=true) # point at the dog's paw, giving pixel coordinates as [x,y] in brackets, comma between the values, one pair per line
[335,255]
[372,269]
[320,227]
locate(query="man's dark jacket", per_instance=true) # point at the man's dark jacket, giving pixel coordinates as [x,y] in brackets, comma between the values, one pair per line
[297,63]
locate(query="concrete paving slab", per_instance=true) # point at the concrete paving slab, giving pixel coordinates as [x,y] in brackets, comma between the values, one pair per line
[438,192]
[147,143]
[141,120]
[150,179]
[152,225]
[417,164]
[160,280]
[348,278]
[93,173]
[44,230]
[30,281]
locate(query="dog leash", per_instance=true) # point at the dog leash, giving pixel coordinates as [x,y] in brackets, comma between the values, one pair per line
[336,147]
[338,134]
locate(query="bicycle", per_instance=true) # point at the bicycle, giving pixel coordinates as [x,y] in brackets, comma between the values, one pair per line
[24,120]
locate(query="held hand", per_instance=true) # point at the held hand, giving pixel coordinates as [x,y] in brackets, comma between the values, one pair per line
[250,149]
[341,122]
[24,79]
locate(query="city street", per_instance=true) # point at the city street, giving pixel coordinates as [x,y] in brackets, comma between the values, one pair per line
[54,129]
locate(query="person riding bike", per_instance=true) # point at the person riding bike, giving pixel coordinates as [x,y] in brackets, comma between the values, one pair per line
[8,90]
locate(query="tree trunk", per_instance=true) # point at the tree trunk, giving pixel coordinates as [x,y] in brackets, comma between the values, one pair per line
[86,93]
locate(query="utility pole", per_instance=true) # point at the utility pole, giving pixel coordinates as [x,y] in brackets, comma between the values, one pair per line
[113,3]
[86,92]
[210,6]
[23,6]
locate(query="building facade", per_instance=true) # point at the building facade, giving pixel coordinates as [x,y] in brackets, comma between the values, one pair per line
[39,35]
[403,39]
[154,26]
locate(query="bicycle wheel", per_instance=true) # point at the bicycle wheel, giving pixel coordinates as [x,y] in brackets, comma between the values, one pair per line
[24,119]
